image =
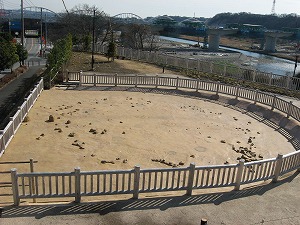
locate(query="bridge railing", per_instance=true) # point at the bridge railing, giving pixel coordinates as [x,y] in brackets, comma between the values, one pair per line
[162,59]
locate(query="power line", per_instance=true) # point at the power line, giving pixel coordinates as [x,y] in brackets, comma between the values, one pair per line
[65,6]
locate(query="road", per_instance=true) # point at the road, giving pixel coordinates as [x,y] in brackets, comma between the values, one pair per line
[33,47]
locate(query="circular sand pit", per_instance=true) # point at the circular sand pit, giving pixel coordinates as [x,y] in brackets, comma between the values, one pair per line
[99,130]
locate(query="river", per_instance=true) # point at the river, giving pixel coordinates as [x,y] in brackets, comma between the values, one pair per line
[262,62]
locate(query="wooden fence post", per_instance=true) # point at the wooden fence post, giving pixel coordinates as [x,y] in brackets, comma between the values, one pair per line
[218,88]
[77,185]
[191,179]
[270,80]
[116,80]
[288,81]
[289,109]
[15,186]
[156,81]
[273,102]
[237,92]
[136,184]
[254,75]
[11,119]
[256,95]
[211,67]
[32,178]
[225,69]
[95,83]
[277,168]
[239,175]
[80,78]
[177,82]
[136,80]
[197,87]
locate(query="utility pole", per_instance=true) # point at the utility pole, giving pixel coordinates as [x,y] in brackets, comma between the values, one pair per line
[296,61]
[93,44]
[41,36]
[23,30]
[46,31]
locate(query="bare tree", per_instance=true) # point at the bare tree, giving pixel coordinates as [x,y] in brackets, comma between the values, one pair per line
[139,36]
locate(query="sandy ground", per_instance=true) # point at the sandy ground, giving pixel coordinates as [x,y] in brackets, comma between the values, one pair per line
[133,128]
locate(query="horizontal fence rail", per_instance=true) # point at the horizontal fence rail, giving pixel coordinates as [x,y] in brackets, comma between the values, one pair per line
[163,59]
[94,183]
[11,128]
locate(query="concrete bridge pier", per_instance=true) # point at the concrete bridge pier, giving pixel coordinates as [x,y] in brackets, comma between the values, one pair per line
[214,36]
[213,42]
[271,38]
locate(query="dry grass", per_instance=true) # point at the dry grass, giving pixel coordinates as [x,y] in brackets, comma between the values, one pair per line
[82,61]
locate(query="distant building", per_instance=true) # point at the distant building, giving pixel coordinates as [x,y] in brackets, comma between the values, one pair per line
[250,30]
[295,31]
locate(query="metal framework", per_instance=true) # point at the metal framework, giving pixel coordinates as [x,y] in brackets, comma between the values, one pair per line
[128,18]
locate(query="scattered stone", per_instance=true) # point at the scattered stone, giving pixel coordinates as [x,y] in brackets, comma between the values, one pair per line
[71,134]
[209,137]
[226,162]
[93,155]
[192,156]
[26,119]
[181,163]
[58,129]
[78,102]
[38,138]
[123,132]
[117,158]
[104,162]
[51,118]
[121,122]
[42,135]
[125,161]
[223,141]
[68,122]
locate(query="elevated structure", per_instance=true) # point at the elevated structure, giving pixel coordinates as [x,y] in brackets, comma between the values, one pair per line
[271,38]
[128,18]
[214,35]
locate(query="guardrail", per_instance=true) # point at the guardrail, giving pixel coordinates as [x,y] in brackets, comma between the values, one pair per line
[93,183]
[11,128]
[163,59]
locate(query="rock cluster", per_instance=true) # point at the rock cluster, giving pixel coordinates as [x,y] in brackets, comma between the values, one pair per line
[168,163]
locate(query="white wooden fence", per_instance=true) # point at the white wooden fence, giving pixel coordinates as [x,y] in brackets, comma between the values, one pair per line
[162,59]
[93,183]
[11,128]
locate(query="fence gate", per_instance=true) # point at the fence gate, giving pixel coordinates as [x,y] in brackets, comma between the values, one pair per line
[6,195]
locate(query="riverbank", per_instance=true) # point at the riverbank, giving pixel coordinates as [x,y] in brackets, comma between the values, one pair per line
[245,44]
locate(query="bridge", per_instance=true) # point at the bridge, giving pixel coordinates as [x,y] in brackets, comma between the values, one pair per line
[128,18]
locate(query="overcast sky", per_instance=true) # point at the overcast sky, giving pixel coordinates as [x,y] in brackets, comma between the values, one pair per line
[143,8]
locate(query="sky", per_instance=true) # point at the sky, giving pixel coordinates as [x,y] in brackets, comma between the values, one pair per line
[189,8]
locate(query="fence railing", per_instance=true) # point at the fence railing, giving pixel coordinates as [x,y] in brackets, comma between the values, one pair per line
[95,183]
[268,99]
[163,59]
[11,128]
